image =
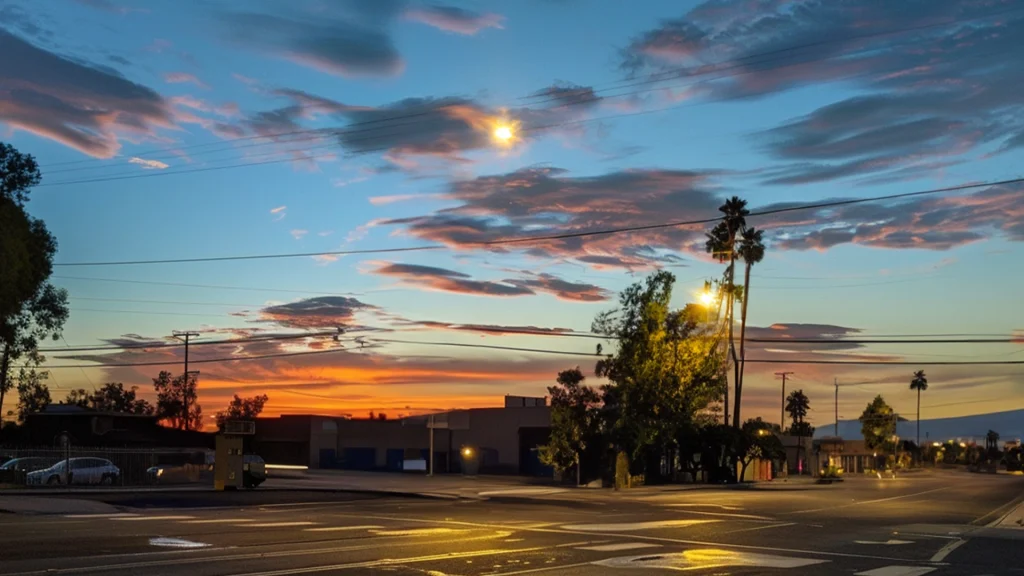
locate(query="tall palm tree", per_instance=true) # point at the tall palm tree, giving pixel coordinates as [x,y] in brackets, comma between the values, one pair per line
[751,250]
[721,244]
[919,383]
[797,405]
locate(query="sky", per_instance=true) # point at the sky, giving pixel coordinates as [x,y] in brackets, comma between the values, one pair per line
[216,128]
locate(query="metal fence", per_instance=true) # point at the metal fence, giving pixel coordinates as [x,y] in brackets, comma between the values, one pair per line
[84,466]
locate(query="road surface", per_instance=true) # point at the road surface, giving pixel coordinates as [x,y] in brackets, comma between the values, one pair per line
[908,526]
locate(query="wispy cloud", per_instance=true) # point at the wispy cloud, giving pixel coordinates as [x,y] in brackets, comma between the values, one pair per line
[148,164]
[184,78]
[454,19]
[280,212]
[298,233]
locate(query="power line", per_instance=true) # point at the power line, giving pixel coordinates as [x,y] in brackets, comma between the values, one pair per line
[513,349]
[157,345]
[132,300]
[543,238]
[209,286]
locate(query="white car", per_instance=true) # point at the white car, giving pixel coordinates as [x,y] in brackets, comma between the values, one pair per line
[82,471]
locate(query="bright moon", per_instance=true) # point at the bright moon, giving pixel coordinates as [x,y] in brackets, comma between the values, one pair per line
[503,133]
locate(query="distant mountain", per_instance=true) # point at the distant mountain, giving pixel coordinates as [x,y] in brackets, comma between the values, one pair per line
[1009,426]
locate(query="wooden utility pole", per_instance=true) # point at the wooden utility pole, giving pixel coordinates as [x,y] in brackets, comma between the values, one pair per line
[184,336]
[836,381]
[782,417]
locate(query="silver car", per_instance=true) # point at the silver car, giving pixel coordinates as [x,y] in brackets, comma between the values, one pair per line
[80,471]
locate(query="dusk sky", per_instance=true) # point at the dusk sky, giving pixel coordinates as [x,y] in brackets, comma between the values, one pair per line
[213,128]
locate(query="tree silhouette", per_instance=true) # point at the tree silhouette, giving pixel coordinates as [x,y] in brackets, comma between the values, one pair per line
[797,406]
[80,397]
[33,394]
[171,393]
[721,244]
[31,309]
[244,409]
[751,250]
[114,397]
[919,383]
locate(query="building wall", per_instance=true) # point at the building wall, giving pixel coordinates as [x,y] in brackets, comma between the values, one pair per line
[495,433]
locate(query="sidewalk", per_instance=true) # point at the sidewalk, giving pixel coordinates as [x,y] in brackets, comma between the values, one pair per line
[43,505]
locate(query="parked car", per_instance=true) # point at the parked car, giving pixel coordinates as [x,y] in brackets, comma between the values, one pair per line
[77,471]
[254,470]
[27,464]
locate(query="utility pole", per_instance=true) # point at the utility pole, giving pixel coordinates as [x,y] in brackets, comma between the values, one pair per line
[782,416]
[184,336]
[836,380]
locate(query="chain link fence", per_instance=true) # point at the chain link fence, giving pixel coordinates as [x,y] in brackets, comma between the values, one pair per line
[50,467]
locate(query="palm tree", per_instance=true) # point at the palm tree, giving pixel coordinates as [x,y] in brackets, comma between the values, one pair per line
[721,244]
[751,250]
[919,383]
[797,405]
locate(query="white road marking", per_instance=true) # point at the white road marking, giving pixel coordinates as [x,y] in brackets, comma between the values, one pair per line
[897,571]
[697,559]
[886,543]
[176,543]
[782,525]
[730,515]
[619,546]
[276,524]
[633,526]
[151,518]
[947,550]
[342,528]
[694,505]
[522,491]
[217,521]
[499,526]
[417,531]
[862,502]
[116,515]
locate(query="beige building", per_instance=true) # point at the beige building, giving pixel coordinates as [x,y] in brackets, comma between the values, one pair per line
[501,440]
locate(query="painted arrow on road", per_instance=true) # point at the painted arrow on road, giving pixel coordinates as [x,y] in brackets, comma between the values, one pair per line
[886,543]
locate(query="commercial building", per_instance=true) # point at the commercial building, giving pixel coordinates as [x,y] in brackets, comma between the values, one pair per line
[501,440]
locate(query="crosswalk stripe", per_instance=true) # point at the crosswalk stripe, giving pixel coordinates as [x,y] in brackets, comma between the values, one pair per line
[150,518]
[417,532]
[275,524]
[341,528]
[632,526]
[217,521]
[115,515]
[618,547]
[897,571]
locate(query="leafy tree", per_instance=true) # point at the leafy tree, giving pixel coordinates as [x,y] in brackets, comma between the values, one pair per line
[751,250]
[919,383]
[243,409]
[721,244]
[173,393]
[33,394]
[575,422]
[664,370]
[758,442]
[797,406]
[878,424]
[31,309]
[79,397]
[114,397]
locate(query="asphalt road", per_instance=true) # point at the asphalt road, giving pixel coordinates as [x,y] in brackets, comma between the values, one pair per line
[922,524]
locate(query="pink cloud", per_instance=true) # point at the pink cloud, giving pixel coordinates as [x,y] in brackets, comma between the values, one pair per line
[453,19]
[184,78]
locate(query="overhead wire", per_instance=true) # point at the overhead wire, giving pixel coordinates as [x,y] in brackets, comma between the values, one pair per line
[509,349]
[549,237]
